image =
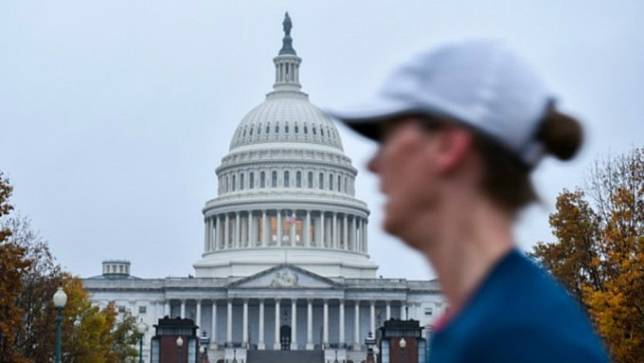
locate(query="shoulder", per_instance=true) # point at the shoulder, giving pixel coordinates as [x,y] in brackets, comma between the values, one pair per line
[524,315]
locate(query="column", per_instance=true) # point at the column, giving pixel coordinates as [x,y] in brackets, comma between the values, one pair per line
[245,325]
[356,326]
[372,317]
[213,329]
[217,233]
[260,335]
[341,323]
[237,234]
[276,345]
[334,231]
[279,227]
[403,311]
[167,311]
[345,232]
[183,309]
[198,318]
[309,324]
[321,244]
[307,229]
[206,235]
[250,229]
[264,229]
[354,234]
[294,324]
[325,328]
[229,323]
[226,230]
[388,311]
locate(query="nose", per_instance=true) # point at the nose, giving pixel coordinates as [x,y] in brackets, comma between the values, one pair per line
[374,163]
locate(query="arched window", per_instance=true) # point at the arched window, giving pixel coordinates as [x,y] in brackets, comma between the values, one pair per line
[244,134]
[330,181]
[262,180]
[297,129]
[306,130]
[346,184]
[315,132]
[226,184]
[310,179]
[277,128]
[286,129]
[268,129]
[251,180]
[259,129]
[234,182]
[274,179]
[250,131]
[241,181]
[339,183]
[298,179]
[321,131]
[287,179]
[321,181]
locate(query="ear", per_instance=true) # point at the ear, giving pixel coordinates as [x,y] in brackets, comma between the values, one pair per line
[453,147]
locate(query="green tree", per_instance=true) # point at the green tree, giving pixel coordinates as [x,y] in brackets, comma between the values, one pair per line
[599,251]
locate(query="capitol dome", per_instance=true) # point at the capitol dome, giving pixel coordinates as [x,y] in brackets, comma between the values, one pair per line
[286,190]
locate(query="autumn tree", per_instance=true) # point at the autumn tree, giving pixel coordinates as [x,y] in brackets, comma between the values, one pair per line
[29,276]
[598,253]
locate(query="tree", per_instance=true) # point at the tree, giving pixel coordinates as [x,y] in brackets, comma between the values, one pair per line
[29,276]
[13,265]
[599,251]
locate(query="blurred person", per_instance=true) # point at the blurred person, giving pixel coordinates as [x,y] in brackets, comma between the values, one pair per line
[459,129]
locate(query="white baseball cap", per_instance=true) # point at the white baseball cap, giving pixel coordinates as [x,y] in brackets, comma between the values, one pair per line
[481,84]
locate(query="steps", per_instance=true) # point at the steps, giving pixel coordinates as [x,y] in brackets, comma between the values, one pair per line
[279,356]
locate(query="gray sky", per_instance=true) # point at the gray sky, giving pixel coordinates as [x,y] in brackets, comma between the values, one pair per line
[114,114]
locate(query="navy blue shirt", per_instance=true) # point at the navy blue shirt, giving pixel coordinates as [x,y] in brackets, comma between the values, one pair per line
[518,314]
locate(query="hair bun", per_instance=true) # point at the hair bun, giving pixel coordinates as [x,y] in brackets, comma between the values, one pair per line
[561,134]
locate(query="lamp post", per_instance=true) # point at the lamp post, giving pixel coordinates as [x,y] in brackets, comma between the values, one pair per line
[179,346]
[142,328]
[203,346]
[60,299]
[370,342]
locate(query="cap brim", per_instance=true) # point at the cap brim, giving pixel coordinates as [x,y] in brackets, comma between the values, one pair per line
[366,118]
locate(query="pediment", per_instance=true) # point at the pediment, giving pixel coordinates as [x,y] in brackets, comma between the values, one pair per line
[285,277]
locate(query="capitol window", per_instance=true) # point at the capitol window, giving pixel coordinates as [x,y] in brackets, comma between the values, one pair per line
[259,129]
[277,128]
[315,132]
[298,179]
[306,130]
[286,129]
[297,129]
[241,181]
[287,179]
[321,131]
[268,129]
[262,180]
[330,181]
[321,181]
[251,180]
[310,179]
[234,182]
[274,180]
[339,183]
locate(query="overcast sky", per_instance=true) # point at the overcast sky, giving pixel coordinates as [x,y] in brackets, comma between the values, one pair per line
[114,114]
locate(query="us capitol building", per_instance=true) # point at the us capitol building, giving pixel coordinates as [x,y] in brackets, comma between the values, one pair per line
[285,263]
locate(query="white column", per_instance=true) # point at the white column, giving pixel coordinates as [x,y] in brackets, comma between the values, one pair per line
[198,317]
[294,324]
[276,345]
[206,235]
[250,229]
[279,227]
[167,311]
[325,339]
[226,230]
[307,228]
[388,311]
[309,325]
[229,323]
[345,232]
[372,318]
[260,335]
[264,229]
[321,244]
[356,326]
[403,311]
[217,232]
[245,326]
[237,241]
[183,309]
[334,231]
[213,329]
[341,313]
